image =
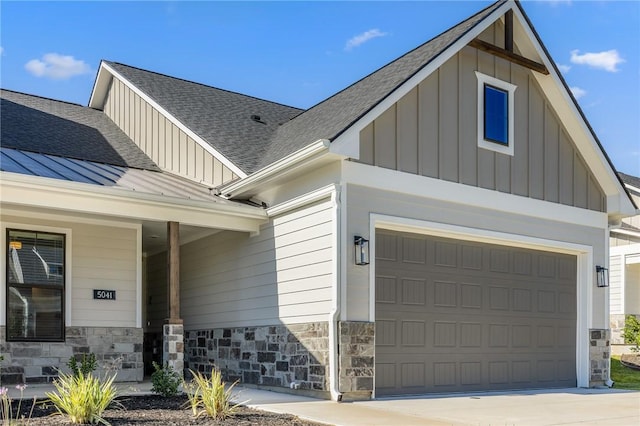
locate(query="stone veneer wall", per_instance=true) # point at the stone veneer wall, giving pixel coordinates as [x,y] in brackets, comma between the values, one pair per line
[173,346]
[279,355]
[357,350]
[39,362]
[599,353]
[616,322]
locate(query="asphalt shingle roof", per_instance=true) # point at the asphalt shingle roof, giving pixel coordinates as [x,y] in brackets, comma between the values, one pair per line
[331,117]
[630,180]
[223,118]
[220,117]
[46,126]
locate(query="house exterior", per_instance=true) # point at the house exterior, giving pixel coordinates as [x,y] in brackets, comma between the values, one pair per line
[177,222]
[624,271]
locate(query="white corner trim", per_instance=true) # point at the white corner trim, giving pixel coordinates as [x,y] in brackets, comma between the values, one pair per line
[510,89]
[466,195]
[211,150]
[302,200]
[280,166]
[68,275]
[139,301]
[584,273]
[346,143]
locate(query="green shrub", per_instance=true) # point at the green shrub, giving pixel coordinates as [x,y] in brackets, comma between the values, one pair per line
[631,332]
[83,398]
[165,380]
[208,397]
[87,365]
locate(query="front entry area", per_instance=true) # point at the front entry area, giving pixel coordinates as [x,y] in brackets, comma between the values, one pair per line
[454,315]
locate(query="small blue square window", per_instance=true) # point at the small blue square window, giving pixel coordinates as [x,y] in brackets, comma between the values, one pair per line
[496,115]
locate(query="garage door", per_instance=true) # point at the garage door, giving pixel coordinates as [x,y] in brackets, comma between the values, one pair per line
[453,316]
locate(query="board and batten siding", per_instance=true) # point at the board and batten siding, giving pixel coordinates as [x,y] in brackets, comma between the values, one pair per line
[103,258]
[281,276]
[432,131]
[164,142]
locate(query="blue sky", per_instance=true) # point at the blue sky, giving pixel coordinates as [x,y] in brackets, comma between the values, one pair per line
[299,53]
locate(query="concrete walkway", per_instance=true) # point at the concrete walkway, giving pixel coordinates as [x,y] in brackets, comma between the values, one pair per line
[544,407]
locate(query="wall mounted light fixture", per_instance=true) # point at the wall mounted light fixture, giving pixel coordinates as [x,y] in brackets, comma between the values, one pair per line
[602,277]
[361,250]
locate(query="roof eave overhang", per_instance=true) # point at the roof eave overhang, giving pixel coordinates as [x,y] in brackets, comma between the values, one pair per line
[100,88]
[618,203]
[38,192]
[309,156]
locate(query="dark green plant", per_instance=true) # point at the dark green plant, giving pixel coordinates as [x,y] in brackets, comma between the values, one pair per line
[87,365]
[631,332]
[165,380]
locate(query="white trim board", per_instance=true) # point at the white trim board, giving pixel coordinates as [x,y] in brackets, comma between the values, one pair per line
[466,195]
[584,275]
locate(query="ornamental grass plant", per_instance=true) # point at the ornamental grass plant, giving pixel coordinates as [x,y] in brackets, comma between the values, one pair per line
[83,398]
[209,396]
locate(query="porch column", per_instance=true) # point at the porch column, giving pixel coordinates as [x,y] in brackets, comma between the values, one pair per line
[173,332]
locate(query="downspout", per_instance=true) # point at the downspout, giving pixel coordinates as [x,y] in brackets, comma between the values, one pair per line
[334,315]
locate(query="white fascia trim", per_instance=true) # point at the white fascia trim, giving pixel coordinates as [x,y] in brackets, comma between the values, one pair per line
[584,277]
[625,250]
[265,174]
[211,150]
[35,191]
[100,87]
[566,108]
[510,89]
[347,143]
[302,200]
[68,281]
[466,195]
[632,188]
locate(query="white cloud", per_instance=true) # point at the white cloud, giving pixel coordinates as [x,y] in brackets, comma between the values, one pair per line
[607,60]
[57,67]
[564,68]
[578,92]
[363,38]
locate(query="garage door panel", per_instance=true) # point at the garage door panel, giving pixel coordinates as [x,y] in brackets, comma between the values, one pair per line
[472,316]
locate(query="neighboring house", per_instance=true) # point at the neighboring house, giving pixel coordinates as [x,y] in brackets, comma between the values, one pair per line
[172,220]
[624,269]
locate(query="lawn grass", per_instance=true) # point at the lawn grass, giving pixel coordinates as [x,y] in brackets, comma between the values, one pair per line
[624,377]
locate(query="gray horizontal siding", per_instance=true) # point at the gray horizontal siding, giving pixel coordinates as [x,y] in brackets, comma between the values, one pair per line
[283,275]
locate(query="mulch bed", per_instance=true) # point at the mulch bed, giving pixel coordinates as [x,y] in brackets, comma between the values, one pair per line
[152,410]
[631,361]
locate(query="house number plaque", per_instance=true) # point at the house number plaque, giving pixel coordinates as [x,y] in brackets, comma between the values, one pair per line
[104,294]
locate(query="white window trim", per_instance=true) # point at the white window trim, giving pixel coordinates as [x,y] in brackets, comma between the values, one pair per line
[510,89]
[68,266]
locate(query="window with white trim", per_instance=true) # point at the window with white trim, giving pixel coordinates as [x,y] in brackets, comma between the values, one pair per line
[495,114]
[35,285]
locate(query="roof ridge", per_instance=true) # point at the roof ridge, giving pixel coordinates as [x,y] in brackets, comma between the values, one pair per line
[492,5]
[201,84]
[45,98]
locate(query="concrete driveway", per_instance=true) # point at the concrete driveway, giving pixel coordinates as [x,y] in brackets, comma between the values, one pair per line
[543,407]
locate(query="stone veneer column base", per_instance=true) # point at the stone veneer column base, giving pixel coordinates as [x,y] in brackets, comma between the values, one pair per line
[599,353]
[294,357]
[356,360]
[173,345]
[116,348]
